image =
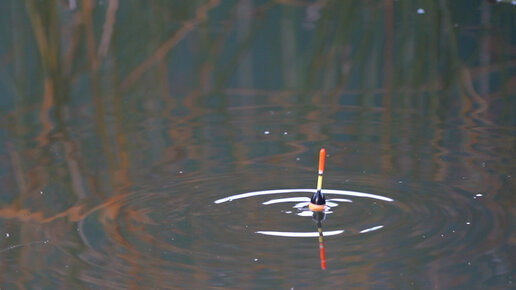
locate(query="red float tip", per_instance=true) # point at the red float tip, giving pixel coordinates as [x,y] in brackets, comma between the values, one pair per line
[322,154]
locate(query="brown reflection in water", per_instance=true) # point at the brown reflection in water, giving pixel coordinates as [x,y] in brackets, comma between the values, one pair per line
[73,214]
[160,54]
[47,39]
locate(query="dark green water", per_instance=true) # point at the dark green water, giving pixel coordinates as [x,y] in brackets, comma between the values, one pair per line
[124,123]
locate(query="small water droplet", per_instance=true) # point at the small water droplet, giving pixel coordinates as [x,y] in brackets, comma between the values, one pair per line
[41,192]
[442,235]
[468,223]
[180,171]
[483,164]
[297,158]
[400,181]
[7,235]
[424,237]
[256,260]
[285,133]
[421,11]
[266,132]
[469,263]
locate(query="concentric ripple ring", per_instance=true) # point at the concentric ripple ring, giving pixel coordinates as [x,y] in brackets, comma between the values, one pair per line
[311,190]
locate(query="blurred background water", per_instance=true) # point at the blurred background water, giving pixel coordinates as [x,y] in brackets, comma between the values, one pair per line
[122,122]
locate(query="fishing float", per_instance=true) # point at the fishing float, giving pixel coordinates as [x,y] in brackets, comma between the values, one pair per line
[317,205]
[318,202]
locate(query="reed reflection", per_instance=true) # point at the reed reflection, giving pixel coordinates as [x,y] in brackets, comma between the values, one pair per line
[104,97]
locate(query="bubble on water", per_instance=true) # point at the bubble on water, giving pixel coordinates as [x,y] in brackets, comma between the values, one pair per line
[266,132]
[468,223]
[7,235]
[285,133]
[421,11]
[41,192]
[180,171]
[255,259]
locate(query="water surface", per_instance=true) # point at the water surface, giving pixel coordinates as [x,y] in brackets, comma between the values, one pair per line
[127,128]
